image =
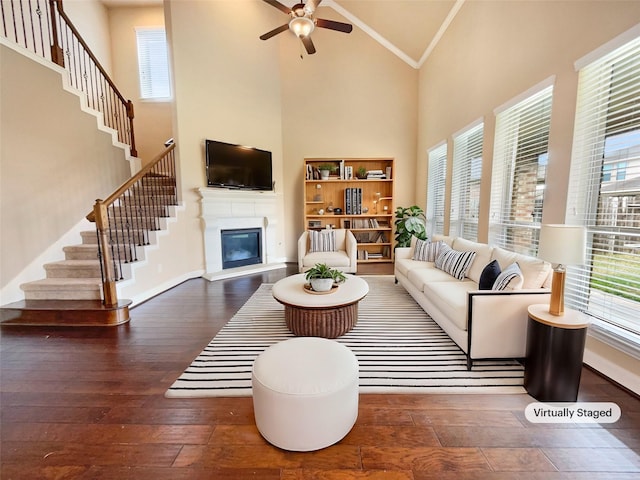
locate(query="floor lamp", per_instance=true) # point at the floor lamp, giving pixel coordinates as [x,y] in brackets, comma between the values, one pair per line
[561,245]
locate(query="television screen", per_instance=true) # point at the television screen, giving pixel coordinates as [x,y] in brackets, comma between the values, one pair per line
[235,166]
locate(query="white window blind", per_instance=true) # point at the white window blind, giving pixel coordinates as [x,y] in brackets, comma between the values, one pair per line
[465,183]
[519,173]
[153,65]
[604,189]
[436,190]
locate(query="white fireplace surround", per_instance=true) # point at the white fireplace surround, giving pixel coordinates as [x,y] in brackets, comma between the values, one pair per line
[231,210]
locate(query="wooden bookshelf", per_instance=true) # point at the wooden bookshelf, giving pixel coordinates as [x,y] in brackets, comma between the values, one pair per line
[366,204]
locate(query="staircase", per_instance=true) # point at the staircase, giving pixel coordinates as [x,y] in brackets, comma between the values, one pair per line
[72,292]
[81,289]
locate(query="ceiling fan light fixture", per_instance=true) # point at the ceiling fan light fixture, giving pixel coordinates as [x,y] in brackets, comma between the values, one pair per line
[301,26]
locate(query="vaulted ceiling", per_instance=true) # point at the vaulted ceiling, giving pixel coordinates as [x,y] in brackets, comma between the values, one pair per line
[408,28]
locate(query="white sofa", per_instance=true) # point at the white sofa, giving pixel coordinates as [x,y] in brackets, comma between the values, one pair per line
[483,323]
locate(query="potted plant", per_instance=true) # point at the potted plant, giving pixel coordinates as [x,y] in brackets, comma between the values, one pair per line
[322,277]
[410,222]
[361,172]
[325,170]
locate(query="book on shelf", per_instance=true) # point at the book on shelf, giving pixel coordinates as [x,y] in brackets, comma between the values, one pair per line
[352,201]
[375,174]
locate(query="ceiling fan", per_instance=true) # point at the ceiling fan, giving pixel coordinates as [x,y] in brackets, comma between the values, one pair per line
[302,22]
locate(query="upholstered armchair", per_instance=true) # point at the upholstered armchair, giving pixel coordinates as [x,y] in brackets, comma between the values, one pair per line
[337,248]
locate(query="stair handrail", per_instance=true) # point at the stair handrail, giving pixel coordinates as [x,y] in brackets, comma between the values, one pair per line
[23,25]
[114,246]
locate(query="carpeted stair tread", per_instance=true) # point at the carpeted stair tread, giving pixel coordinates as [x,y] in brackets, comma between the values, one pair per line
[73,269]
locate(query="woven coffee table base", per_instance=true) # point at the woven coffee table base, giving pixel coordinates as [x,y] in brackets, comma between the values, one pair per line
[321,322]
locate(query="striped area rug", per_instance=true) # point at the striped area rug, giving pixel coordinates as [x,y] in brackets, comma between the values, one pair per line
[400,349]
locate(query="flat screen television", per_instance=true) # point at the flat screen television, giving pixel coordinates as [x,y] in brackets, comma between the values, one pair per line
[235,166]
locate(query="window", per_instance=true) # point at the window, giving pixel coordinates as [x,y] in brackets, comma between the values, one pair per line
[519,173]
[604,190]
[153,66]
[465,184]
[436,189]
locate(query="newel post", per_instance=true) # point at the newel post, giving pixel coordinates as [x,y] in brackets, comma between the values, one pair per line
[108,272]
[130,116]
[57,55]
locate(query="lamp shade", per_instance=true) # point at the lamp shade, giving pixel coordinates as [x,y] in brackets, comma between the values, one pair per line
[562,244]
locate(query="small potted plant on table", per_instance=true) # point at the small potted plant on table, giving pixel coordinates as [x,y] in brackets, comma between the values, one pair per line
[322,277]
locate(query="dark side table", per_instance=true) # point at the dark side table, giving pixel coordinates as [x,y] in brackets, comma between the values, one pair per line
[555,349]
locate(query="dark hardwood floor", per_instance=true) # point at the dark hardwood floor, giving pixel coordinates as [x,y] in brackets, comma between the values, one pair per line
[87,403]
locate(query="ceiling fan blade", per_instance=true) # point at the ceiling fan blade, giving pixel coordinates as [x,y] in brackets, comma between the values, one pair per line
[333,25]
[308,44]
[279,6]
[274,32]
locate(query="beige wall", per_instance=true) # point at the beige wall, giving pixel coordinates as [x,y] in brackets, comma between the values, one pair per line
[51,171]
[152,118]
[353,98]
[227,88]
[496,50]
[91,19]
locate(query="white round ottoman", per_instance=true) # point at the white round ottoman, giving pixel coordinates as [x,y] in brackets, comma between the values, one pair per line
[305,393]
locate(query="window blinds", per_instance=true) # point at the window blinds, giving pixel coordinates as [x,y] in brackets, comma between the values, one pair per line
[519,173]
[153,66]
[604,188]
[436,190]
[465,183]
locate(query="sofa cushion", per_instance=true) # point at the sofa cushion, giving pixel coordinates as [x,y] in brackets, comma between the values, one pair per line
[332,259]
[483,256]
[406,265]
[510,279]
[489,275]
[425,251]
[419,277]
[322,241]
[443,238]
[454,262]
[534,270]
[451,299]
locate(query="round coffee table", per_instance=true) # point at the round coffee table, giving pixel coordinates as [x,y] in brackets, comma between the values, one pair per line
[328,315]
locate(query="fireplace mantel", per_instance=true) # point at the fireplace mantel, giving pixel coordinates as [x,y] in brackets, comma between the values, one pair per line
[232,209]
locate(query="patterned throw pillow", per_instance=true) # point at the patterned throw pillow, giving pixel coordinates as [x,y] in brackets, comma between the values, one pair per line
[322,241]
[453,262]
[489,275]
[425,251]
[510,279]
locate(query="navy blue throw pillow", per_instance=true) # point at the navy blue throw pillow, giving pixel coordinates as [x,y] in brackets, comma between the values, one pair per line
[489,275]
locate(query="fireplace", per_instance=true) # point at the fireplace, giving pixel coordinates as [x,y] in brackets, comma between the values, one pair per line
[241,247]
[241,210]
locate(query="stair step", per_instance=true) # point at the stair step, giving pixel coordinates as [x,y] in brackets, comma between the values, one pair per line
[73,269]
[137,237]
[63,289]
[142,210]
[134,223]
[81,252]
[154,189]
[155,179]
[64,313]
[158,199]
